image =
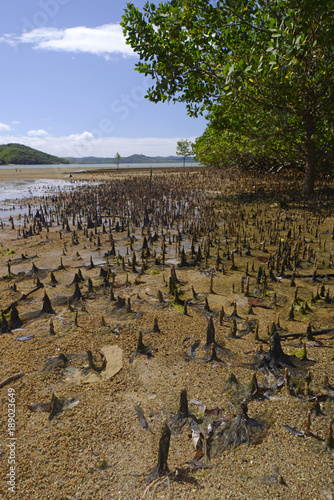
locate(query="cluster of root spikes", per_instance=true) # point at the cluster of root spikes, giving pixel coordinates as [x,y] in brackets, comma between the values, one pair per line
[212,245]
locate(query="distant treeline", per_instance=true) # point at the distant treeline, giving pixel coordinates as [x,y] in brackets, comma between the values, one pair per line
[18,154]
[127,159]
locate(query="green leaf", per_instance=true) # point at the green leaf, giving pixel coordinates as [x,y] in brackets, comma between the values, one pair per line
[206,54]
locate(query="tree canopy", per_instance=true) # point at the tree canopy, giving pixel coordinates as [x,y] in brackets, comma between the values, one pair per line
[117,159]
[260,69]
[184,148]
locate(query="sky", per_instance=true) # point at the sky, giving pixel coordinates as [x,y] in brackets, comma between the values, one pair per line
[68,83]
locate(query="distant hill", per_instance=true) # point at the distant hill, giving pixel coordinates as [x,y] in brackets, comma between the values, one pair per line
[127,159]
[17,154]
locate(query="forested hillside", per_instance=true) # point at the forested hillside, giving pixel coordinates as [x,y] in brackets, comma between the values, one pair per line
[18,154]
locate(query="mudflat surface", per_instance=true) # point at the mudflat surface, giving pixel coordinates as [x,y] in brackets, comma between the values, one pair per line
[257,263]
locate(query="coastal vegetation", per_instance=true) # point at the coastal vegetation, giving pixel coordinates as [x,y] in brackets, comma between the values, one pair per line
[184,149]
[118,159]
[125,160]
[261,71]
[18,154]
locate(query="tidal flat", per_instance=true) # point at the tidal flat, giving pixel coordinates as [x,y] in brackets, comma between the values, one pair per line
[172,334]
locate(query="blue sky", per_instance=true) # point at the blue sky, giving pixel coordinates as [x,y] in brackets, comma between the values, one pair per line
[68,85]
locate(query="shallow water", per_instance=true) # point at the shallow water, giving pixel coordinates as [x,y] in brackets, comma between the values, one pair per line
[14,191]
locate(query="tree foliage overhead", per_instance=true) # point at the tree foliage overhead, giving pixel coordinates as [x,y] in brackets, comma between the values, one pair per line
[271,60]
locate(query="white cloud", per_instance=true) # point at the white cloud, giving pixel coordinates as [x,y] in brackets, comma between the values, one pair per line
[39,132]
[102,40]
[4,127]
[83,137]
[85,144]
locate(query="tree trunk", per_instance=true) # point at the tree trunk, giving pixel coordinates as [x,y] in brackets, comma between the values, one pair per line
[310,164]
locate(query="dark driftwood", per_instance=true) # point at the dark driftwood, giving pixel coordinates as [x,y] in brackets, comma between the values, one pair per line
[141,417]
[11,379]
[314,334]
[15,303]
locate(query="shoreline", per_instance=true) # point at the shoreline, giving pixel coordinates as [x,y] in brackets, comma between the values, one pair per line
[34,173]
[64,172]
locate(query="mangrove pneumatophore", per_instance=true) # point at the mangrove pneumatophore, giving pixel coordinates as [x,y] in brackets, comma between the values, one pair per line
[56,407]
[76,295]
[52,330]
[275,358]
[4,328]
[47,307]
[161,468]
[156,328]
[210,333]
[241,429]
[15,321]
[93,366]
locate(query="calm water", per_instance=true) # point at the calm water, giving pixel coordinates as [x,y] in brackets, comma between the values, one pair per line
[13,191]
